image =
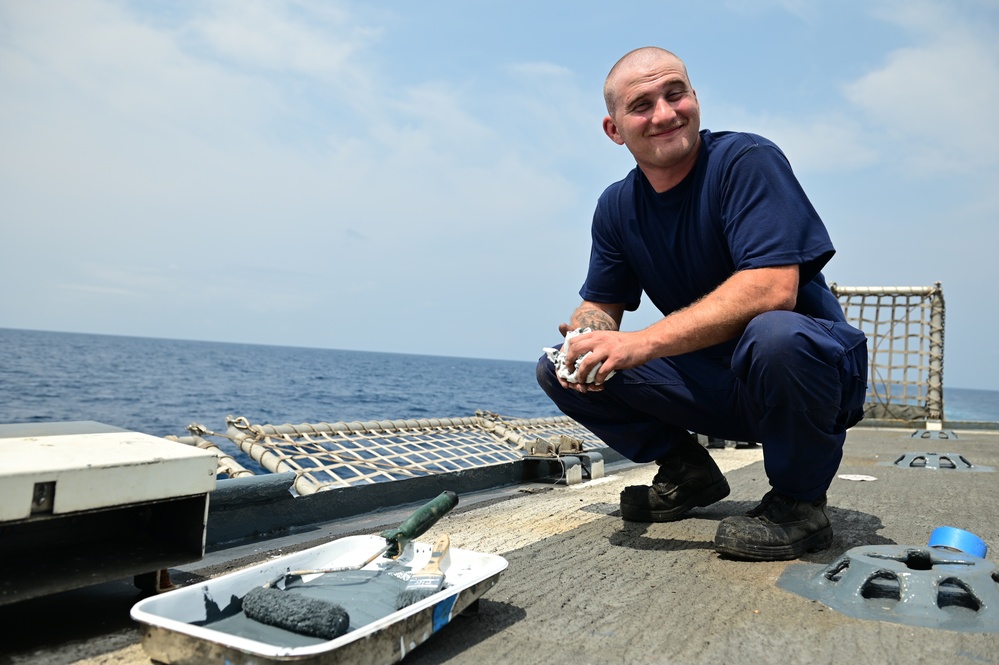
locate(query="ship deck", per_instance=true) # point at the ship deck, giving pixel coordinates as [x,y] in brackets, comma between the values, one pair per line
[583,586]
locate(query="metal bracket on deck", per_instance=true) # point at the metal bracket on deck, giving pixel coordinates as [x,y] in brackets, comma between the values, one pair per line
[573,468]
[593,465]
[554,447]
[569,467]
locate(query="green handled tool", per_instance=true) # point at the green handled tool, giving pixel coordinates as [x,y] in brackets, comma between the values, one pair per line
[417,524]
[395,539]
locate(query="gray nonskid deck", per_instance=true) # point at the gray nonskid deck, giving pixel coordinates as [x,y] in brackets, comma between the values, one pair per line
[609,591]
[585,587]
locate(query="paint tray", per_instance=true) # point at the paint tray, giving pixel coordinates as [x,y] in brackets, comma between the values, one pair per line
[202,624]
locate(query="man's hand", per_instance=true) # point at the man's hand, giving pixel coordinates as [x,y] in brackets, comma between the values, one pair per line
[717,317]
[598,317]
[613,350]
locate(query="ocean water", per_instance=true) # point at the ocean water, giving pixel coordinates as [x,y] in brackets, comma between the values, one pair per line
[160,386]
[970,405]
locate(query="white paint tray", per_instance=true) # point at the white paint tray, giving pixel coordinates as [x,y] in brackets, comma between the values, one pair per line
[172,622]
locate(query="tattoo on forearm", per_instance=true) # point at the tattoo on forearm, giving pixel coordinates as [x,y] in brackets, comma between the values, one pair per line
[594,319]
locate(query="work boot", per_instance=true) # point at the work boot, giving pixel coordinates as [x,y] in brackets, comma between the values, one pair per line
[778,529]
[687,477]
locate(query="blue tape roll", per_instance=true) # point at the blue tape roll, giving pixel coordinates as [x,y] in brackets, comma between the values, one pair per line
[956,539]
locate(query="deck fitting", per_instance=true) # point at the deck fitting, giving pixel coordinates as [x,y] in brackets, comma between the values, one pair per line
[915,586]
[936,461]
[933,434]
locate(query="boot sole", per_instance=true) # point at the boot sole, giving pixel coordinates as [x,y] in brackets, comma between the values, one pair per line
[739,549]
[705,497]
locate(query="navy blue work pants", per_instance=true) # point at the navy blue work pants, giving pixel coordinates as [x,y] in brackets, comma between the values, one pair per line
[793,383]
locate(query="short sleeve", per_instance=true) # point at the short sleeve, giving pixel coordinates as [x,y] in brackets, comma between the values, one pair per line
[768,218]
[609,277]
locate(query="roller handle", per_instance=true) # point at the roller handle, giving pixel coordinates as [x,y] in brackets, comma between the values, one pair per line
[418,523]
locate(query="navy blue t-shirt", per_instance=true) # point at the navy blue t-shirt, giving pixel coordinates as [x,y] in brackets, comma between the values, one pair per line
[740,207]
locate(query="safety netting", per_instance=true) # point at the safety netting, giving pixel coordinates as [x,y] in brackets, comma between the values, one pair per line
[343,454]
[905,340]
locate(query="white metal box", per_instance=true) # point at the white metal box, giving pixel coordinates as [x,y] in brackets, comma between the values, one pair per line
[83,503]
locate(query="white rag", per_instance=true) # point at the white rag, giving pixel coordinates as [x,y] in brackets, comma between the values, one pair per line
[557,356]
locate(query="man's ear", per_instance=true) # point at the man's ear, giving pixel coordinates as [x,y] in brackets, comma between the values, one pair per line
[610,129]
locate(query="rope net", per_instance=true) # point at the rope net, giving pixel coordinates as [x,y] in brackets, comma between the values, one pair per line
[905,338]
[327,455]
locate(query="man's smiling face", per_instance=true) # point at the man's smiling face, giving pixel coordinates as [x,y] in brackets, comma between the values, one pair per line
[655,113]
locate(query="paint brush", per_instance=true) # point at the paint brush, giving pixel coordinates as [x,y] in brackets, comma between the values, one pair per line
[428,580]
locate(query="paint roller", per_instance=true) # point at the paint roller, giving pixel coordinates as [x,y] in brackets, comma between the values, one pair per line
[318,617]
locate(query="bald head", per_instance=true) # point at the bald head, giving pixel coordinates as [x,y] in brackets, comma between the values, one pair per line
[641,58]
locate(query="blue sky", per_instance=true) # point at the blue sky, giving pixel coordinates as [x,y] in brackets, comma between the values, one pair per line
[420,177]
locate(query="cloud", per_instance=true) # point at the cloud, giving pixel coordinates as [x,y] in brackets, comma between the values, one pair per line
[323,162]
[925,108]
[831,142]
[287,37]
[268,149]
[934,102]
[199,119]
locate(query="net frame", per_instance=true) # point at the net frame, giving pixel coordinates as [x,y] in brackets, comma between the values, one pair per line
[905,341]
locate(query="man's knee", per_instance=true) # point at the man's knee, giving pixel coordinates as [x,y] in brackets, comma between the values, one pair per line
[773,340]
[786,359]
[797,361]
[545,373]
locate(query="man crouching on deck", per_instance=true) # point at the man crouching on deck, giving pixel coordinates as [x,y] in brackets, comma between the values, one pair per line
[716,230]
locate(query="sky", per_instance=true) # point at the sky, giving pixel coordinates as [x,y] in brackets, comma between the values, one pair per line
[419,177]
